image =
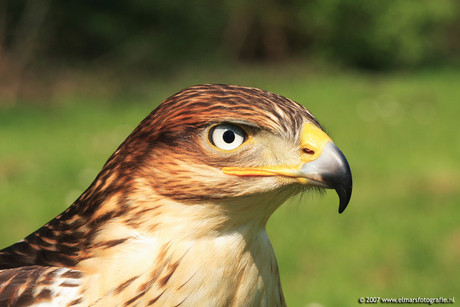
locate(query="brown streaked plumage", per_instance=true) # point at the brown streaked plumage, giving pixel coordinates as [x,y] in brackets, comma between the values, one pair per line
[177,215]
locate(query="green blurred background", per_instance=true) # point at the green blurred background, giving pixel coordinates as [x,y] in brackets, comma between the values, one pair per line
[383,77]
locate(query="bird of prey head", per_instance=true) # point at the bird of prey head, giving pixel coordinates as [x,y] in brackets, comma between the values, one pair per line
[177,215]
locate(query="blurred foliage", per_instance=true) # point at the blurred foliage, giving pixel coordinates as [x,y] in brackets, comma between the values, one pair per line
[384,34]
[49,46]
[151,34]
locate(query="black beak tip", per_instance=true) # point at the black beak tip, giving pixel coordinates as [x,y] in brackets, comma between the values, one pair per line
[343,183]
[344,200]
[344,192]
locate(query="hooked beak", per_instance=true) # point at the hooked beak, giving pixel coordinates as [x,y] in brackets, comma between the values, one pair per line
[330,171]
[323,165]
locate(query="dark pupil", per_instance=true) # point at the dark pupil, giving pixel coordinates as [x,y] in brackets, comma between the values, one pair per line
[229,136]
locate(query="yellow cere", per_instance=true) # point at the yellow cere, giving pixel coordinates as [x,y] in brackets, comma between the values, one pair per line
[313,139]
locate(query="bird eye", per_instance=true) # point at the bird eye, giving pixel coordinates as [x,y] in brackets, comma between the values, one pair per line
[227,136]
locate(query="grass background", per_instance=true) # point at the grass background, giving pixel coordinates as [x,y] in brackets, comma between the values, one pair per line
[400,235]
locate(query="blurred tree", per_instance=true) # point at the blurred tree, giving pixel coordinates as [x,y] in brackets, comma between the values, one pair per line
[138,32]
[19,35]
[144,35]
[254,33]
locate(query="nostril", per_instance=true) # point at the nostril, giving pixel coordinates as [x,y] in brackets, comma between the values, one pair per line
[308,151]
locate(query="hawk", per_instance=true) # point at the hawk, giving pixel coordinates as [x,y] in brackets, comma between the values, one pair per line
[177,215]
